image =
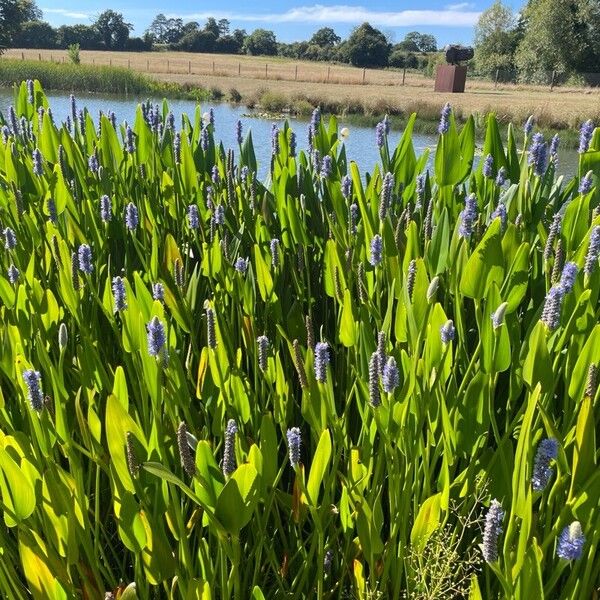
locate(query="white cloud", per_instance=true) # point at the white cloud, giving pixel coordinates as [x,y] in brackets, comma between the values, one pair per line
[460,6]
[63,12]
[348,14]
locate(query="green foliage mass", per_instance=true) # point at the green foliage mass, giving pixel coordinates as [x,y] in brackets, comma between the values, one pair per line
[111,473]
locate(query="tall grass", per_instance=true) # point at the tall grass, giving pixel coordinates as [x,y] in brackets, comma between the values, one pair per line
[95,79]
[329,384]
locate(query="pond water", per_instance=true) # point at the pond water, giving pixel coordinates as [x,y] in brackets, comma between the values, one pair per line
[360,143]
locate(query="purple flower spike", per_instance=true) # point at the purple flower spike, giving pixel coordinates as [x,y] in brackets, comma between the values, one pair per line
[376,250]
[542,472]
[294,439]
[445,119]
[132,218]
[468,216]
[488,167]
[492,531]
[34,392]
[321,361]
[156,336]
[585,136]
[571,542]
[84,255]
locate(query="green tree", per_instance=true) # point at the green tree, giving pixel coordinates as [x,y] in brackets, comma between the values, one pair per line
[198,41]
[367,47]
[113,30]
[224,26]
[418,42]
[164,30]
[325,37]
[551,41]
[86,36]
[261,41]
[13,14]
[212,27]
[495,38]
[36,34]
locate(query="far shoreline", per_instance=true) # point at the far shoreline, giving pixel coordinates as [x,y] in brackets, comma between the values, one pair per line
[270,97]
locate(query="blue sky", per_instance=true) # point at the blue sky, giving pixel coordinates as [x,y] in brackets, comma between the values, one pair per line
[449,20]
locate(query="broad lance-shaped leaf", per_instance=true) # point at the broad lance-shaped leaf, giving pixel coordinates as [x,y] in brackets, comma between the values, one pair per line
[348,326]
[537,367]
[584,449]
[238,498]
[521,486]
[485,265]
[263,276]
[426,522]
[18,495]
[318,467]
[586,356]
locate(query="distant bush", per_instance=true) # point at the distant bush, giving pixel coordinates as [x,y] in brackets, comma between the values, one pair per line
[73,52]
[273,101]
[234,95]
[216,93]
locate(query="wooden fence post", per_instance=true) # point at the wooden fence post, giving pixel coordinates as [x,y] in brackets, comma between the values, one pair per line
[168,66]
[239,69]
[296,74]
[147,65]
[403,75]
[213,67]
[110,62]
[129,63]
[266,70]
[40,56]
[22,55]
[328,72]
[364,73]
[51,58]
[189,67]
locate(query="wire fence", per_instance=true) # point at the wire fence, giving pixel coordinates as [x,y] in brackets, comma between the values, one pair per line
[217,65]
[232,66]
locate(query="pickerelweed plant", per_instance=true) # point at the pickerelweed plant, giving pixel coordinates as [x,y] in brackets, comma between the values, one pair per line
[215,387]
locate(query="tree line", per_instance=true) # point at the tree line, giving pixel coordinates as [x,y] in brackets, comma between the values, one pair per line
[21,26]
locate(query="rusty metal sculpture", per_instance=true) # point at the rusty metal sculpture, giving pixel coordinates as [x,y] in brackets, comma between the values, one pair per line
[452,77]
[455,53]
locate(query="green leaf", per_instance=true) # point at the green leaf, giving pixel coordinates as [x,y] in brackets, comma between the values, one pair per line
[517,280]
[584,450]
[426,522]
[117,424]
[348,326]
[238,499]
[437,250]
[589,354]
[537,367]
[18,495]
[486,264]
[263,276]
[317,468]
[522,470]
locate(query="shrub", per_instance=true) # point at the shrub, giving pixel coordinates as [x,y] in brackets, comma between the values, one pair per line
[73,52]
[234,95]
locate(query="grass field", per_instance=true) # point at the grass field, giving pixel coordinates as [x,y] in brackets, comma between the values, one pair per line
[344,88]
